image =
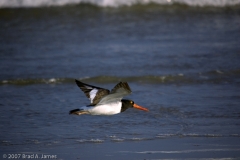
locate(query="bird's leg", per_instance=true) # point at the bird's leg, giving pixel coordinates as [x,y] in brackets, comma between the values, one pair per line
[83,112]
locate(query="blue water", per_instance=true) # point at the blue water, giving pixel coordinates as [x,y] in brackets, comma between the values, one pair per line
[181,62]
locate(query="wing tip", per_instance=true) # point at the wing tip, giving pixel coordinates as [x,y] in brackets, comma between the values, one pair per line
[125,84]
[122,85]
[77,81]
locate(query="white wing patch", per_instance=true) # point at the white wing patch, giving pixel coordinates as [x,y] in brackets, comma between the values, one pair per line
[93,94]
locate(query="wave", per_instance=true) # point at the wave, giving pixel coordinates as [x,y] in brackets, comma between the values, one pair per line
[97,79]
[215,76]
[116,139]
[101,79]
[189,135]
[185,151]
[90,141]
[114,3]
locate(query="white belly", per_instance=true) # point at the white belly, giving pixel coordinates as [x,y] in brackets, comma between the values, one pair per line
[105,109]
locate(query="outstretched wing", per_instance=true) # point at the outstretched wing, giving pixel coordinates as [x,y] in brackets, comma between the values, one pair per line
[121,87]
[95,94]
[117,93]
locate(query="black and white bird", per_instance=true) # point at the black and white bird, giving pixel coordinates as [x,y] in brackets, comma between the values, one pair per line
[105,102]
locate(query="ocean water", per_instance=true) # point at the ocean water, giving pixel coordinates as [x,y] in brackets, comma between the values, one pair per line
[180,58]
[114,3]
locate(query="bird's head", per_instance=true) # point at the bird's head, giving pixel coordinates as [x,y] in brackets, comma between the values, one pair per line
[130,104]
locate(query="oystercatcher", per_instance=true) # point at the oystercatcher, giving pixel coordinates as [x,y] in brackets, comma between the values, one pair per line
[105,102]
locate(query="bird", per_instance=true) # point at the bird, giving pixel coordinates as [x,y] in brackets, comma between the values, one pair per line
[104,101]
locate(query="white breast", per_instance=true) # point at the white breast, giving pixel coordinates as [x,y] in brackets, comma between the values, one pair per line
[106,109]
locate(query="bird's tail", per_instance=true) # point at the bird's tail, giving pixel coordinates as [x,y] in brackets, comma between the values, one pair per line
[78,112]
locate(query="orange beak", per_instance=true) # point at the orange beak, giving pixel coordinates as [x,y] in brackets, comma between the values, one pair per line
[140,108]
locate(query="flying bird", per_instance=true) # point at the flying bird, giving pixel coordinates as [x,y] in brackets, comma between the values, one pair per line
[105,102]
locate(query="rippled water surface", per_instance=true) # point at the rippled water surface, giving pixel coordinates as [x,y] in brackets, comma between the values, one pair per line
[181,62]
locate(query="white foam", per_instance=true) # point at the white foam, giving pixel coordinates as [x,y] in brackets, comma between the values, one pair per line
[4,81]
[91,140]
[114,3]
[52,80]
[117,140]
[96,140]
